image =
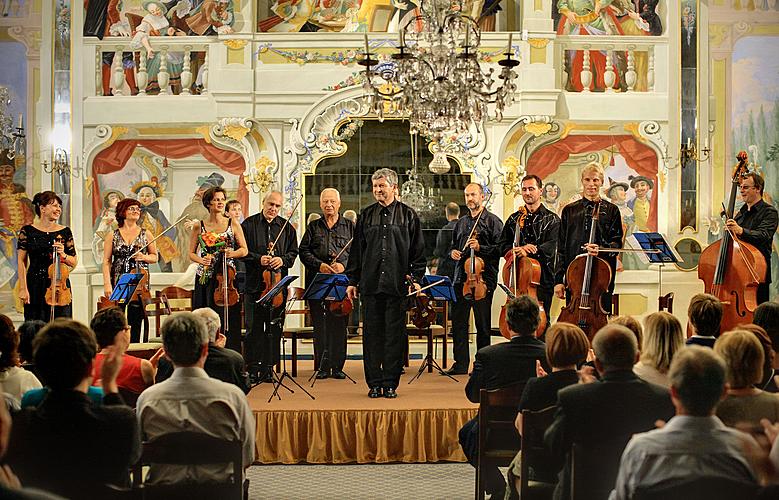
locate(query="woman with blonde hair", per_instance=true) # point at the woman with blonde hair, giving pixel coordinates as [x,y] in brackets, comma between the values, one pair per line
[744,359]
[663,337]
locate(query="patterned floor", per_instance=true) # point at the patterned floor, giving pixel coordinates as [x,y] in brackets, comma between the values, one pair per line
[361,482]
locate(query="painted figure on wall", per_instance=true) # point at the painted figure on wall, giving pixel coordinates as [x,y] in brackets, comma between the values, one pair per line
[102,18]
[155,221]
[106,223]
[15,212]
[290,16]
[551,197]
[195,212]
[641,204]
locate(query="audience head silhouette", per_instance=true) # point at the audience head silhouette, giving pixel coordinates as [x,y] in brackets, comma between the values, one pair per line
[566,345]
[185,339]
[615,348]
[212,321]
[743,356]
[107,324]
[9,343]
[767,316]
[663,337]
[634,326]
[705,313]
[697,381]
[63,351]
[522,315]
[27,332]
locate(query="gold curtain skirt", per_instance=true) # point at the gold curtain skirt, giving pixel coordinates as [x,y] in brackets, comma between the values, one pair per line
[361,436]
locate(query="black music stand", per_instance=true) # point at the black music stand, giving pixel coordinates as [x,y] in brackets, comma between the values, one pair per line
[438,288]
[326,288]
[125,287]
[266,301]
[656,250]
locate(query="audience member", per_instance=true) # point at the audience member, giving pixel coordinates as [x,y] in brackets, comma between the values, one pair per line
[745,403]
[767,316]
[222,363]
[68,445]
[498,366]
[705,315]
[768,352]
[14,379]
[27,332]
[191,401]
[663,337]
[566,348]
[694,443]
[600,417]
[111,329]
[633,325]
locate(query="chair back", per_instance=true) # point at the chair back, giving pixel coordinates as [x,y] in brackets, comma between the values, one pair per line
[666,302]
[300,306]
[699,488]
[179,299]
[154,307]
[537,464]
[191,448]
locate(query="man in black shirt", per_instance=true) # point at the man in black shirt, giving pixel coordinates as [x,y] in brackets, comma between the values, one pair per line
[537,237]
[756,224]
[444,239]
[388,245]
[484,243]
[325,249]
[263,325]
[575,232]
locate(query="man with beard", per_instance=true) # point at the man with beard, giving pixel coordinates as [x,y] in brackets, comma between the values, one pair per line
[483,240]
[539,229]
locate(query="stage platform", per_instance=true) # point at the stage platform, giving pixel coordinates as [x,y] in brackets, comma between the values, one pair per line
[343,425]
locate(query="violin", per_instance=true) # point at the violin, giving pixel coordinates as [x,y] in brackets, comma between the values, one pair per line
[226,295]
[269,276]
[732,269]
[343,307]
[58,293]
[522,276]
[588,278]
[142,290]
[422,311]
[474,287]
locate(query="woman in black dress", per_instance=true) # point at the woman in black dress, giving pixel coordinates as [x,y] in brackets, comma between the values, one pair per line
[37,244]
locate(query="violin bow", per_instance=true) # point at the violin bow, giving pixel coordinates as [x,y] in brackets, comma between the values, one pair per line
[475,224]
[286,221]
[737,245]
[162,233]
[341,251]
[431,285]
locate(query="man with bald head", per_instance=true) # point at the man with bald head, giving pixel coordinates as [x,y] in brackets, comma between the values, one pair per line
[263,334]
[325,249]
[599,417]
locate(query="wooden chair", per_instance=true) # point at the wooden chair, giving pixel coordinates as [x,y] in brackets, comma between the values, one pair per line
[431,333]
[698,488]
[298,332]
[159,307]
[666,302]
[179,299]
[499,441]
[535,457]
[191,448]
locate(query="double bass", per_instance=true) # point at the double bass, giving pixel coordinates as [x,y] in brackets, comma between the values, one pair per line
[732,269]
[522,276]
[588,278]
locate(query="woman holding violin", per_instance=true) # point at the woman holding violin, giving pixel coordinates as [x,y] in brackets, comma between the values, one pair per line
[43,285]
[129,249]
[325,249]
[213,246]
[476,253]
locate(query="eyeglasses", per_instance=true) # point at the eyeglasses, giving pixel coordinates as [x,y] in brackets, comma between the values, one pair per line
[134,208]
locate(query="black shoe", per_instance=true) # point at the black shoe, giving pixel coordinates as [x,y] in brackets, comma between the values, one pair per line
[375,392]
[338,374]
[455,370]
[322,374]
[389,392]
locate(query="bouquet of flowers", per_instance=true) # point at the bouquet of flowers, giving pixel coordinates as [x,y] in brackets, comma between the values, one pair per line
[211,243]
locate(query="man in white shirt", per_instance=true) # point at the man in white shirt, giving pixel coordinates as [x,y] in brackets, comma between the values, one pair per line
[191,401]
[694,443]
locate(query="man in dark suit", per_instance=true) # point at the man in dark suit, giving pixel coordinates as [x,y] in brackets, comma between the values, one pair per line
[601,416]
[500,365]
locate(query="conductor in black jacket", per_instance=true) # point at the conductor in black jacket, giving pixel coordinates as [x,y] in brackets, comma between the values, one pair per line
[501,365]
[388,245]
[263,326]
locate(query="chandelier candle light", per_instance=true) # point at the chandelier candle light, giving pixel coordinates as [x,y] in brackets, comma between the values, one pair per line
[435,77]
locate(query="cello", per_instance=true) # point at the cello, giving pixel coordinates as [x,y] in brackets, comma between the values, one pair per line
[732,269]
[585,308]
[58,294]
[522,276]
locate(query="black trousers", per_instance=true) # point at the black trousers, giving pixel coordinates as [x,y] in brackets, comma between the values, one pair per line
[469,442]
[263,332]
[203,296]
[43,312]
[134,313]
[384,339]
[329,335]
[763,290]
[461,314]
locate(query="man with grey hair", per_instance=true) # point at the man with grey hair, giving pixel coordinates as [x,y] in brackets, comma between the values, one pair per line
[222,363]
[388,246]
[192,401]
[263,325]
[693,443]
[601,416]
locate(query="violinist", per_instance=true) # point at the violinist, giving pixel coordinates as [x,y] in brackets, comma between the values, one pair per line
[38,243]
[325,249]
[538,236]
[483,240]
[756,223]
[388,245]
[575,229]
[263,327]
[120,256]
[215,238]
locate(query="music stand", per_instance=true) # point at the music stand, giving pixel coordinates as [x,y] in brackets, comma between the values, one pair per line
[266,301]
[125,287]
[326,288]
[438,288]
[656,251]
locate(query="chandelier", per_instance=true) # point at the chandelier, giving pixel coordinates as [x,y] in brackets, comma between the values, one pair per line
[12,139]
[435,77]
